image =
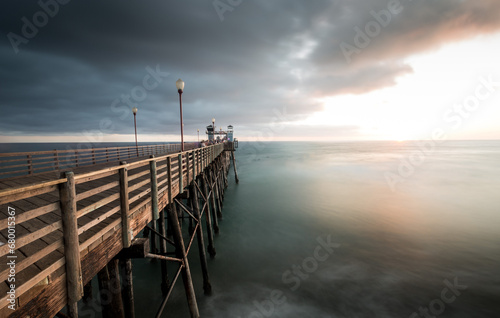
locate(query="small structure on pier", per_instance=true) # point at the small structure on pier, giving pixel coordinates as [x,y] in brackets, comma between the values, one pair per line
[221,135]
[230,133]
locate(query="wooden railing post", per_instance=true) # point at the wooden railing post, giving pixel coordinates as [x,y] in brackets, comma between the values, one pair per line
[197,161]
[107,155]
[169,178]
[181,174]
[187,167]
[194,165]
[203,158]
[76,158]
[154,189]
[93,155]
[30,164]
[74,284]
[124,205]
[56,160]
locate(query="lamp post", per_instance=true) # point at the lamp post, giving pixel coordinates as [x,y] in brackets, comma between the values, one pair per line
[198,134]
[180,87]
[134,110]
[213,129]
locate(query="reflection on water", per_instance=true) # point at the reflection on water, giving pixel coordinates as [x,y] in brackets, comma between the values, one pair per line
[433,242]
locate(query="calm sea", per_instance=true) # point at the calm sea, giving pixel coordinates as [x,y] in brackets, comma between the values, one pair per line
[364,229]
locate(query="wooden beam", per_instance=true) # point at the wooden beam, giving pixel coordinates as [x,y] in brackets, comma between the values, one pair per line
[139,248]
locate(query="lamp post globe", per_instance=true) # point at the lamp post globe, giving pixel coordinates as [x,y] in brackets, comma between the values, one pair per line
[180,85]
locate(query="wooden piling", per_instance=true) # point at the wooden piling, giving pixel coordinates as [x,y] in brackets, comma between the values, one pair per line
[74,284]
[218,178]
[208,218]
[234,166]
[215,191]
[87,293]
[180,252]
[127,288]
[110,291]
[210,205]
[165,284]
[207,288]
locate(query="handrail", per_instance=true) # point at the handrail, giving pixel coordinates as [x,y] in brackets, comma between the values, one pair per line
[15,164]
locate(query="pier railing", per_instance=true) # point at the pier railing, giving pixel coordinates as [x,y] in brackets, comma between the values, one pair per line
[59,222]
[26,163]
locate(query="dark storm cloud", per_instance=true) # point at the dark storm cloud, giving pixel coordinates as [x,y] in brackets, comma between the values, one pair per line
[75,74]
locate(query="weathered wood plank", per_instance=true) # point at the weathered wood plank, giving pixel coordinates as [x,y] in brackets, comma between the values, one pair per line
[67,194]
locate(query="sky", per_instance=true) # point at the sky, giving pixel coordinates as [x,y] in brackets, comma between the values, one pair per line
[71,71]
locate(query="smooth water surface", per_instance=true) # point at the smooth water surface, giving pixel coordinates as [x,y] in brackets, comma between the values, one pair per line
[388,253]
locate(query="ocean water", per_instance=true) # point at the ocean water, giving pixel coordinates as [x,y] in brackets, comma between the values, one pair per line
[358,229]
[317,230]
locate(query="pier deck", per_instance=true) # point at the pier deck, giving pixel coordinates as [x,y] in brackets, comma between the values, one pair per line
[108,197]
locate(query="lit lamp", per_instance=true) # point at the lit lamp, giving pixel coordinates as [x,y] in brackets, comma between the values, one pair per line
[134,111]
[198,134]
[180,88]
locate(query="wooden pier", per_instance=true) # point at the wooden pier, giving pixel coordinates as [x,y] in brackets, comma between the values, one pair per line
[72,215]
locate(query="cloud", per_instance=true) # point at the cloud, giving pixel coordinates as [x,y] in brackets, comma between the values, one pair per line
[263,56]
